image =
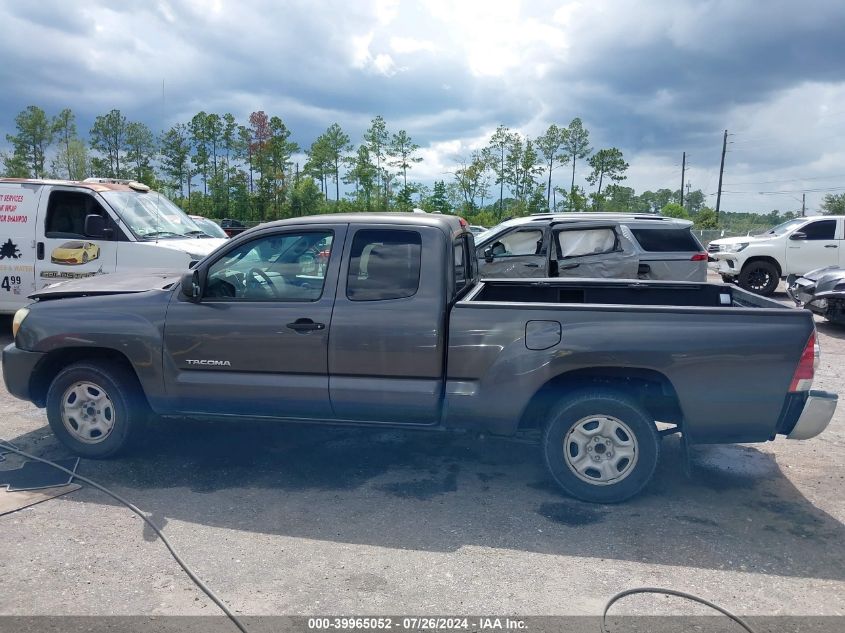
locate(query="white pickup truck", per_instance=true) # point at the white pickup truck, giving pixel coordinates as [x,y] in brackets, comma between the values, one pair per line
[795,247]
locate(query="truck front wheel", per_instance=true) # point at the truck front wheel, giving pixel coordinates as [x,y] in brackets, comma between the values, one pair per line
[96,409]
[760,277]
[600,446]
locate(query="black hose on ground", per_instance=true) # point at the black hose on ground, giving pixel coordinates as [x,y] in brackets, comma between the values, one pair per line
[670,592]
[6,445]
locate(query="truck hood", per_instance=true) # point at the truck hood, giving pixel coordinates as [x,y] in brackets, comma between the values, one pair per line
[730,241]
[113,283]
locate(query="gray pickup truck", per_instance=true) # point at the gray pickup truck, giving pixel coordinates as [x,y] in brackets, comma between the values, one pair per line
[380,320]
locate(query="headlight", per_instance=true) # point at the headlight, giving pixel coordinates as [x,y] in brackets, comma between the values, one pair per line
[20,315]
[735,248]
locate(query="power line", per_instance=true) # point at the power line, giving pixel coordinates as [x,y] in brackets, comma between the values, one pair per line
[788,191]
[772,182]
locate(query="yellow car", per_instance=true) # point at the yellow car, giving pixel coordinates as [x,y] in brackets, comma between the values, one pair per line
[75,253]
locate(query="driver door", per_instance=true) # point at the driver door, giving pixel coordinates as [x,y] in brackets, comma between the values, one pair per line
[818,248]
[257,342]
[63,251]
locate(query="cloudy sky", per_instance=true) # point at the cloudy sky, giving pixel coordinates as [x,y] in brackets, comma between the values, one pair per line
[652,77]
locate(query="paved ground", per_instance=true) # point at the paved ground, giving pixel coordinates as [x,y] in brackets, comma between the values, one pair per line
[285,520]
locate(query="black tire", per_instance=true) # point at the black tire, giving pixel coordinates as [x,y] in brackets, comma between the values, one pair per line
[759,277]
[571,412]
[727,279]
[130,411]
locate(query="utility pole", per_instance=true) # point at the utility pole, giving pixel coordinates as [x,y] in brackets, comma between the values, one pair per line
[721,171]
[683,173]
[803,204]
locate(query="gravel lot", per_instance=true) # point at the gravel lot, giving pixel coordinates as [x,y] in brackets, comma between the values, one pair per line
[288,520]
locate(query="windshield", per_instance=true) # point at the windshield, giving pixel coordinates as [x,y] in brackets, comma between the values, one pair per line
[786,227]
[151,216]
[210,227]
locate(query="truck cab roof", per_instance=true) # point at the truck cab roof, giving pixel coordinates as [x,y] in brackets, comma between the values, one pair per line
[449,224]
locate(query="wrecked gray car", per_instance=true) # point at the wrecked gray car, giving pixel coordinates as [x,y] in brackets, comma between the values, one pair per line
[599,245]
[822,291]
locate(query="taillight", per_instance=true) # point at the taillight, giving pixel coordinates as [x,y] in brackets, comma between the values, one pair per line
[802,379]
[699,257]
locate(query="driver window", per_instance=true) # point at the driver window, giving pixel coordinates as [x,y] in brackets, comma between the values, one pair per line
[279,267]
[66,211]
[528,242]
[820,230]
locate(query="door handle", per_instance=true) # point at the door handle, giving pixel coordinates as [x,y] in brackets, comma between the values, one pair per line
[306,325]
[831,246]
[531,265]
[570,267]
[39,250]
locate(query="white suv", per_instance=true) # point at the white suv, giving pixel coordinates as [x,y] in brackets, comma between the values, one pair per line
[757,263]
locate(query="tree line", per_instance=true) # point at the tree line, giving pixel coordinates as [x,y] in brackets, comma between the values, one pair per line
[214,165]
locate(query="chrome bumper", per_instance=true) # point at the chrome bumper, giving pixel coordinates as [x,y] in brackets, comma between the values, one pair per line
[816,415]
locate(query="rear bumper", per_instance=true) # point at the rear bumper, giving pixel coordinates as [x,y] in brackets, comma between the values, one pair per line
[18,366]
[815,416]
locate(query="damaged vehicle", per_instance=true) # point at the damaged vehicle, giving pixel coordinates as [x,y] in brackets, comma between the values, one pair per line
[599,245]
[822,291]
[380,320]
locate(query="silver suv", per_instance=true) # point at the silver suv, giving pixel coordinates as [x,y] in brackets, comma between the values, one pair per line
[619,245]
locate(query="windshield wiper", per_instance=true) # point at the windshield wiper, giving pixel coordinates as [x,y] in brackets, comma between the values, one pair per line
[154,234]
[198,233]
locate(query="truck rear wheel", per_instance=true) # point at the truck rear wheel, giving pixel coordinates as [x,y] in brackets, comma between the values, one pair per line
[760,277]
[600,446]
[96,409]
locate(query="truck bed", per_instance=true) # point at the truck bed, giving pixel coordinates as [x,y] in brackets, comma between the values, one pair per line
[726,355]
[616,292]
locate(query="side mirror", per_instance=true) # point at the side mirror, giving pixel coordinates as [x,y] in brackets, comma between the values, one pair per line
[488,255]
[798,235]
[191,286]
[95,227]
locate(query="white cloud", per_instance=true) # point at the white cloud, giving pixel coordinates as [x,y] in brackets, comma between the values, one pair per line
[405,45]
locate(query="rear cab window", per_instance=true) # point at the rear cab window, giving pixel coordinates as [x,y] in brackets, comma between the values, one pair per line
[384,264]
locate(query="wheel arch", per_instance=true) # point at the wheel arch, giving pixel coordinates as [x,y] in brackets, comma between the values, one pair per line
[56,360]
[650,388]
[764,258]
